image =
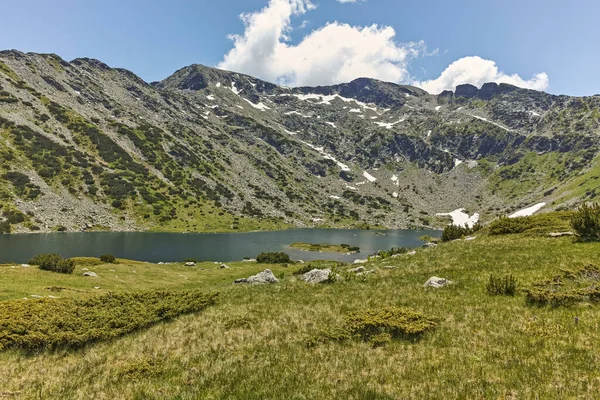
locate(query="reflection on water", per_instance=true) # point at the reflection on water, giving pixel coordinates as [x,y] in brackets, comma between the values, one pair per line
[155,247]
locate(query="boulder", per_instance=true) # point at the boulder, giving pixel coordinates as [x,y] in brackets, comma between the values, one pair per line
[263,277]
[429,245]
[360,261]
[90,273]
[469,238]
[36,296]
[357,269]
[224,266]
[316,276]
[190,264]
[437,282]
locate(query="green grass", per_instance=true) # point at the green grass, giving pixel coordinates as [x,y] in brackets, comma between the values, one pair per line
[252,343]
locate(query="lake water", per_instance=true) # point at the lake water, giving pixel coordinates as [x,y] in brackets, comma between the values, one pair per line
[156,247]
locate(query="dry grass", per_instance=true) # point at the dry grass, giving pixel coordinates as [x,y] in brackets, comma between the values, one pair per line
[251,344]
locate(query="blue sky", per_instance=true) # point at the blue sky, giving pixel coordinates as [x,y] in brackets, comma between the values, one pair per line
[550,45]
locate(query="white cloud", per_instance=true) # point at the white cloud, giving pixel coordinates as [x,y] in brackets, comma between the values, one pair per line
[334,53]
[350,1]
[477,71]
[338,52]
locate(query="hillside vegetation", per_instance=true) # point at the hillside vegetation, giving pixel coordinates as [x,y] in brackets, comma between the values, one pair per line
[90,147]
[384,336]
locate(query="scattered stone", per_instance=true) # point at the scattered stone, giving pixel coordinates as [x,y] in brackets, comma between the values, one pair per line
[190,264]
[263,277]
[429,245]
[52,297]
[25,265]
[90,273]
[36,296]
[389,267]
[249,260]
[560,234]
[111,270]
[437,282]
[161,263]
[316,276]
[469,238]
[357,269]
[224,266]
[359,261]
[96,287]
[85,269]
[411,253]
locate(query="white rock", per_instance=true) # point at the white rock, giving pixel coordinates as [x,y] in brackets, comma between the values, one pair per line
[437,282]
[190,264]
[359,261]
[316,276]
[357,269]
[263,277]
[90,273]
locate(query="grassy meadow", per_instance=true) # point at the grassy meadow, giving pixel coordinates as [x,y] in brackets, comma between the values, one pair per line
[252,343]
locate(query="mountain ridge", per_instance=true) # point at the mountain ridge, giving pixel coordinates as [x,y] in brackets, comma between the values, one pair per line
[210,150]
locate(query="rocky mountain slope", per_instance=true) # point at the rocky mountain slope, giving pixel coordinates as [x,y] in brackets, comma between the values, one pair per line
[86,146]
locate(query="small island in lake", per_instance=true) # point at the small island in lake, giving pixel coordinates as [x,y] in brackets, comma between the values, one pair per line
[326,248]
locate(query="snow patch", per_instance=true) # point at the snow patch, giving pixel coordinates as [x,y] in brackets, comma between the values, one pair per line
[355,110]
[395,180]
[438,108]
[335,197]
[369,177]
[395,194]
[461,218]
[493,123]
[428,133]
[211,97]
[218,84]
[234,89]
[296,113]
[526,212]
[331,123]
[457,162]
[388,125]
[260,106]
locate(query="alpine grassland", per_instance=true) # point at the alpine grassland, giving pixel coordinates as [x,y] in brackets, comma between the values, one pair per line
[381,337]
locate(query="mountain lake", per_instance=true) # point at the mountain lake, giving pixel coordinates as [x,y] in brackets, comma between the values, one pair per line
[170,247]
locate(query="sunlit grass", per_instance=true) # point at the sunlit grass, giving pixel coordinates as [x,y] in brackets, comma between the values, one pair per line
[252,343]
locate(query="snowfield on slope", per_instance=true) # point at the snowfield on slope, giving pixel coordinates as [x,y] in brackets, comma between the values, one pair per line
[526,212]
[461,218]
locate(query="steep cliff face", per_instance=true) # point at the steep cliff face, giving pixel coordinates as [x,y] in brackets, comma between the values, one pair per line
[86,146]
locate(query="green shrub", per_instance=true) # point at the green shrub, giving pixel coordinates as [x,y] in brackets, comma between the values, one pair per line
[4,227]
[190,260]
[378,326]
[393,251]
[108,258]
[273,258]
[453,232]
[567,288]
[505,225]
[506,285]
[586,222]
[54,323]
[53,263]
[304,269]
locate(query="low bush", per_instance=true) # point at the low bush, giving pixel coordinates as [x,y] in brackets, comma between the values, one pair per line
[506,285]
[53,263]
[391,252]
[586,222]
[567,288]
[55,323]
[453,232]
[108,258]
[379,326]
[535,225]
[304,269]
[189,260]
[273,258]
